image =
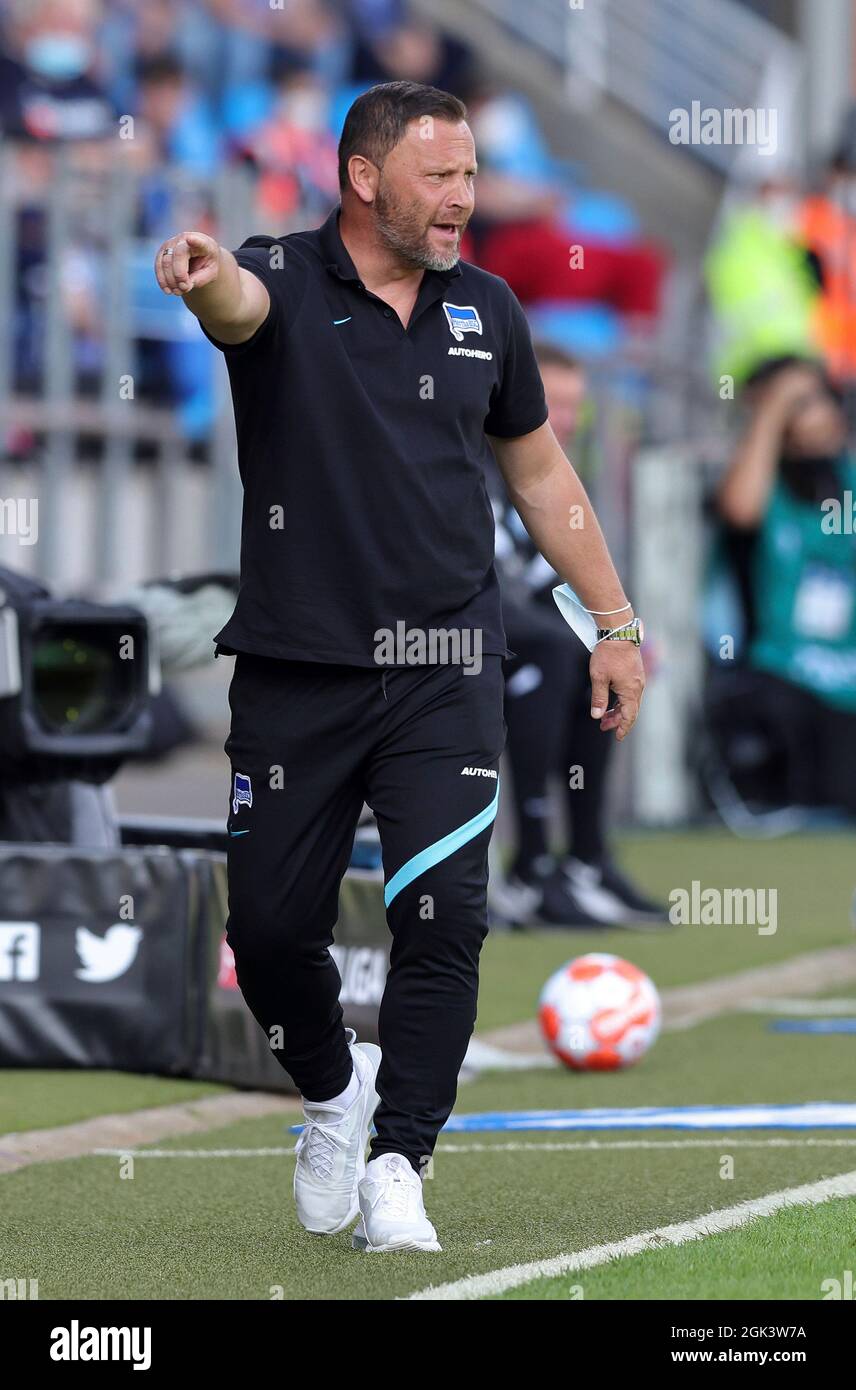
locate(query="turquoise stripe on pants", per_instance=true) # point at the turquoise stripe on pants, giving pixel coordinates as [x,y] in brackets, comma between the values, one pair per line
[441,849]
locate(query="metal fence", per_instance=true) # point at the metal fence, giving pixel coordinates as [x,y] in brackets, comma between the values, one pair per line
[126,486]
[122,485]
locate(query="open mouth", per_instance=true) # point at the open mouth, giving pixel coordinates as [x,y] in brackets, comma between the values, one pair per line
[447,229]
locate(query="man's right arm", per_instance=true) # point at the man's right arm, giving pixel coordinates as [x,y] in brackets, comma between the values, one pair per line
[745,490]
[231,303]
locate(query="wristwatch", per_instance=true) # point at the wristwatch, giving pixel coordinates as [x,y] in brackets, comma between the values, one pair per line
[633,631]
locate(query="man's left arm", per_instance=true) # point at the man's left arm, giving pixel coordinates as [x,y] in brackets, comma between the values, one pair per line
[558,515]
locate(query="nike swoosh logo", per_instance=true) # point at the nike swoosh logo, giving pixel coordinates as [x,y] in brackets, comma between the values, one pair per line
[239,832]
[336,322]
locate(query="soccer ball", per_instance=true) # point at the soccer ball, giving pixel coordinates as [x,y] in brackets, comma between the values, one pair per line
[599,1013]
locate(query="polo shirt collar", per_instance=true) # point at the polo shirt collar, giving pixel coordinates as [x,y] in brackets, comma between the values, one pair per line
[338,261]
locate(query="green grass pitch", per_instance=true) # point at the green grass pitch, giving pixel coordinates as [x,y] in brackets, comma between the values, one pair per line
[197,1227]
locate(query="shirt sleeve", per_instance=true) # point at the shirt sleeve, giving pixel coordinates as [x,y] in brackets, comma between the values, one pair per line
[279,271]
[518,405]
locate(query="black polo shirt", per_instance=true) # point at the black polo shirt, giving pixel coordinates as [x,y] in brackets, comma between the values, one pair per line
[362,450]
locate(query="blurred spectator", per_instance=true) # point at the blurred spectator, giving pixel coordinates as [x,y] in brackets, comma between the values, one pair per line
[295,153]
[133,35]
[226,48]
[827,226]
[548,713]
[174,132]
[374,17]
[414,50]
[518,178]
[763,283]
[47,88]
[252,33]
[573,256]
[174,126]
[781,274]
[210,80]
[49,96]
[548,262]
[788,503]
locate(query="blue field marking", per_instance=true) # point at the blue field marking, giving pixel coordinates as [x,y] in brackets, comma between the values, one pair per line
[813,1025]
[821,1114]
[811,1115]
[441,849]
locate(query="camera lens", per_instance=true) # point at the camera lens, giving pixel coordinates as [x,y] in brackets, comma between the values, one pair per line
[80,682]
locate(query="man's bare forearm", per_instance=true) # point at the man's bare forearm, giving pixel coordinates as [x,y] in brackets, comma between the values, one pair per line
[229,301]
[748,483]
[745,490]
[220,300]
[555,509]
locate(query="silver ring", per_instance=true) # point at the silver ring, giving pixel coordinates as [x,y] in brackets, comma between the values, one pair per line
[168,251]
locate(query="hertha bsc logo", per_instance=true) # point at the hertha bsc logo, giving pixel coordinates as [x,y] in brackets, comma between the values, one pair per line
[242,792]
[462,318]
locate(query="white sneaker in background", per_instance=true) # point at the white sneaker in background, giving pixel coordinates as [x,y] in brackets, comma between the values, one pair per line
[392,1211]
[511,901]
[587,886]
[331,1151]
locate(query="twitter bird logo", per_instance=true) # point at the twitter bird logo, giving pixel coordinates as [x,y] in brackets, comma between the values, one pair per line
[106,957]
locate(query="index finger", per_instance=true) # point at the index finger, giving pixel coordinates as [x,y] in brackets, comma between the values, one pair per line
[160,270]
[181,262]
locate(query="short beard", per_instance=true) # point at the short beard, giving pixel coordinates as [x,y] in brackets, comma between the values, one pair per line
[399,229]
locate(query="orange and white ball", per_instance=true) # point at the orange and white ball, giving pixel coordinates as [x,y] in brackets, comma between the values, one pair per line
[599,1013]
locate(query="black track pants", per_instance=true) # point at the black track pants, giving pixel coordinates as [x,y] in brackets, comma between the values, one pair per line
[309,743]
[550,730]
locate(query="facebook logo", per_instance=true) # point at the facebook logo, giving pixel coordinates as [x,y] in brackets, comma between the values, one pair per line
[19,951]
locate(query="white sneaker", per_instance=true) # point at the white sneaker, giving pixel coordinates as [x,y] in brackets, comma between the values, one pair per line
[591,894]
[331,1151]
[511,900]
[392,1212]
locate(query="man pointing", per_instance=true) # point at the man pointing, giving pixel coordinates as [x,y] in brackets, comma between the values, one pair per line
[372,372]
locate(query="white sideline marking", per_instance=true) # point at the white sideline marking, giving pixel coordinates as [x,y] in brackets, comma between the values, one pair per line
[801,1008]
[138,1127]
[529,1147]
[822,1114]
[193,1153]
[519,1147]
[726,1219]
